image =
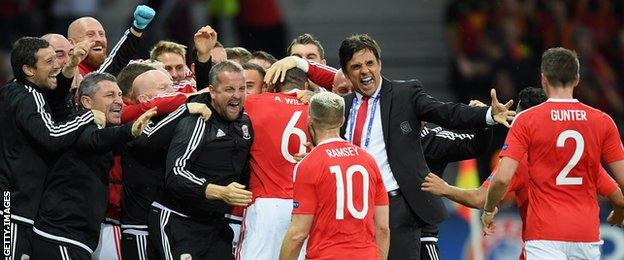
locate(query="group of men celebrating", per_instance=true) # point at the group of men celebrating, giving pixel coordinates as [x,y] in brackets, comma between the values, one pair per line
[240,156]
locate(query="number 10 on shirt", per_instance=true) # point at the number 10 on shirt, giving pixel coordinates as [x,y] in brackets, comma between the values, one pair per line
[340,191]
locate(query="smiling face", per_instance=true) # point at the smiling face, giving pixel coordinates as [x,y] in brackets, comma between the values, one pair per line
[174,64]
[107,99]
[254,82]
[364,72]
[61,47]
[88,28]
[43,74]
[228,95]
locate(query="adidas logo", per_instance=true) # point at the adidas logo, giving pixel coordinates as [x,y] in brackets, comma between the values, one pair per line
[220,133]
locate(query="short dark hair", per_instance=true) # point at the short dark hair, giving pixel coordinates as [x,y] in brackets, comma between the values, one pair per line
[355,43]
[263,55]
[24,53]
[306,39]
[226,65]
[295,79]
[560,66]
[530,97]
[128,74]
[256,67]
[89,84]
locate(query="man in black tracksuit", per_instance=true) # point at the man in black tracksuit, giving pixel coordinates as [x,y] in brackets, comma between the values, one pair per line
[440,147]
[29,139]
[205,164]
[74,200]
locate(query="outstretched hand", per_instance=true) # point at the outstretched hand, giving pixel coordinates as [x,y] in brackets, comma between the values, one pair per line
[500,112]
[487,219]
[205,40]
[278,70]
[199,109]
[143,121]
[77,55]
[299,156]
[434,184]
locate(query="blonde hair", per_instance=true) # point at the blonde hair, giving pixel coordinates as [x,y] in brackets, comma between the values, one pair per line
[167,47]
[326,111]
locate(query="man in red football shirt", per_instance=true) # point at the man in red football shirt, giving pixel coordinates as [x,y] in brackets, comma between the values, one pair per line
[339,196]
[561,215]
[279,122]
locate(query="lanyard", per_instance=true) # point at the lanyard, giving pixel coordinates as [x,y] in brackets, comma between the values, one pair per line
[352,118]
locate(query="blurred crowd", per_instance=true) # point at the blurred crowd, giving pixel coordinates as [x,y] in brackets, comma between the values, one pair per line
[499,43]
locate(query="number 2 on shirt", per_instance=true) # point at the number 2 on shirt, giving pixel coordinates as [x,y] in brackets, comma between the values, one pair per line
[340,191]
[562,177]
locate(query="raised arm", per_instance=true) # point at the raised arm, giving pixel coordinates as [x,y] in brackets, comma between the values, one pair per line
[447,146]
[205,39]
[473,198]
[126,47]
[33,117]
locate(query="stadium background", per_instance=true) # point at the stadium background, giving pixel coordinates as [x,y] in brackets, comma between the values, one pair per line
[458,49]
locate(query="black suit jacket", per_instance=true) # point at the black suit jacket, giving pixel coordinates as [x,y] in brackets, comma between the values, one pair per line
[404,104]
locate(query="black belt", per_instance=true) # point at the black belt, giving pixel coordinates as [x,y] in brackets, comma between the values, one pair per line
[394,193]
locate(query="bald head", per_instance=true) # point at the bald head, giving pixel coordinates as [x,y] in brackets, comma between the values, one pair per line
[151,84]
[89,29]
[62,47]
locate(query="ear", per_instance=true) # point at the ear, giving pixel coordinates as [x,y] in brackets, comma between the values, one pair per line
[324,62]
[306,85]
[543,80]
[577,80]
[86,102]
[142,98]
[212,91]
[265,87]
[29,71]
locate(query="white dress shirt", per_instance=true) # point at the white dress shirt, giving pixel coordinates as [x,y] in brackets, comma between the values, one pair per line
[376,145]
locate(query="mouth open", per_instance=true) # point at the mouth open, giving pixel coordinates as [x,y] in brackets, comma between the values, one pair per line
[234,106]
[116,110]
[97,49]
[367,81]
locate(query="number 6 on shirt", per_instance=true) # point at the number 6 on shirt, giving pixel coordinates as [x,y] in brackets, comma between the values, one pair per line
[289,130]
[340,199]
[562,177]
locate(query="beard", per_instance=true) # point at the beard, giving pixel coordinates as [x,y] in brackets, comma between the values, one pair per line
[95,60]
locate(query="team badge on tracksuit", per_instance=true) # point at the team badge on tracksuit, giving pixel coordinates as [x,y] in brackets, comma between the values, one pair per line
[246,134]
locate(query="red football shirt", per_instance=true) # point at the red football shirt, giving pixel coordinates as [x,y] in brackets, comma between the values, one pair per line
[518,185]
[340,184]
[280,129]
[564,141]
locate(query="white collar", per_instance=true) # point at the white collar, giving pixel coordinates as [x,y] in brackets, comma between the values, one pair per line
[562,100]
[333,139]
